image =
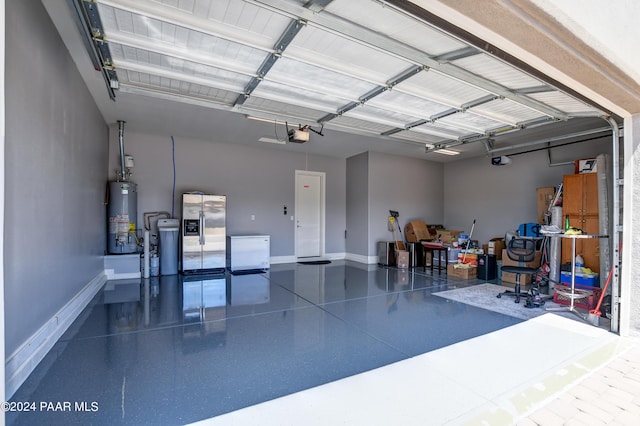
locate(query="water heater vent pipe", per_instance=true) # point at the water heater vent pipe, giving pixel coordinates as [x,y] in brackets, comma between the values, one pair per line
[123,172]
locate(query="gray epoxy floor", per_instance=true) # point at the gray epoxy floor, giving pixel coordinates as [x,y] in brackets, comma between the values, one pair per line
[175,350]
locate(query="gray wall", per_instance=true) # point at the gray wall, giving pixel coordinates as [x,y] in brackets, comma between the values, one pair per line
[261,181]
[410,186]
[256,182]
[500,198]
[55,171]
[358,204]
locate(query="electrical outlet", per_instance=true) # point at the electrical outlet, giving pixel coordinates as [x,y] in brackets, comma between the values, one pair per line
[253,217]
[292,218]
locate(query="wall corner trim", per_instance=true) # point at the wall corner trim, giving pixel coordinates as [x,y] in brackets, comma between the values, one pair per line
[367,260]
[21,363]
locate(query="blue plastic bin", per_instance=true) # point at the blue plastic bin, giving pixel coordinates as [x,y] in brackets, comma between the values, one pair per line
[590,280]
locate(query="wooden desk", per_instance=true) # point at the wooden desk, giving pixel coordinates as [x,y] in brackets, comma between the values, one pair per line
[435,250]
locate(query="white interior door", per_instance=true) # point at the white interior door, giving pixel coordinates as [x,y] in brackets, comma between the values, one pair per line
[309,213]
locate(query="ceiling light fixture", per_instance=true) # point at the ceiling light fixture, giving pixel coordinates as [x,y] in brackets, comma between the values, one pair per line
[266,120]
[272,140]
[446,151]
[440,149]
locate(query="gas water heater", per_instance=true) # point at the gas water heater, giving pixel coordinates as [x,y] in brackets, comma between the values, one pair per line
[122,206]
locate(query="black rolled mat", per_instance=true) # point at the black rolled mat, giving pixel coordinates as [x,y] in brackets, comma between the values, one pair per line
[315,262]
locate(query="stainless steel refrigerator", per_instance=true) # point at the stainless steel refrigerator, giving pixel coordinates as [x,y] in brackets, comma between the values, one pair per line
[203,233]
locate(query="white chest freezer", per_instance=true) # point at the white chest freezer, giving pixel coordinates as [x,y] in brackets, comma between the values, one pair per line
[248,252]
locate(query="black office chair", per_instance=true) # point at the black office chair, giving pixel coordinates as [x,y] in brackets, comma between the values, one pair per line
[520,250]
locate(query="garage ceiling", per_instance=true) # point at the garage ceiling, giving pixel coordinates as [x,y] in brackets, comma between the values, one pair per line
[362,67]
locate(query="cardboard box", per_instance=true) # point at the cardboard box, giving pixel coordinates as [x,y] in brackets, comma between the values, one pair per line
[448,236]
[545,196]
[533,264]
[433,231]
[509,277]
[416,231]
[466,273]
[402,259]
[494,247]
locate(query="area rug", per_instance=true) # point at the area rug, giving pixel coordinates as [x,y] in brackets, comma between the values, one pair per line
[484,296]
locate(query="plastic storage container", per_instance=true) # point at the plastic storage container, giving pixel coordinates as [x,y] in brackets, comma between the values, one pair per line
[453,255]
[169,230]
[590,280]
[585,297]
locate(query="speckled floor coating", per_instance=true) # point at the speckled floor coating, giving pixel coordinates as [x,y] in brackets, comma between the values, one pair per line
[494,379]
[179,350]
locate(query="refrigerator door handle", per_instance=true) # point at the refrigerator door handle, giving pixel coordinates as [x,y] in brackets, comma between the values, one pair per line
[202,228]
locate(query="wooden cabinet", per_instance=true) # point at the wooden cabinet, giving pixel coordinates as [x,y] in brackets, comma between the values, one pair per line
[580,202]
[580,194]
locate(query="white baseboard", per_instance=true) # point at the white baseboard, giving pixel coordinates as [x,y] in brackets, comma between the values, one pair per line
[122,266]
[275,260]
[369,260]
[110,274]
[334,256]
[293,259]
[24,360]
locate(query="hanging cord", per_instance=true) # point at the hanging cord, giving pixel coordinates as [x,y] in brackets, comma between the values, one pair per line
[275,130]
[173,192]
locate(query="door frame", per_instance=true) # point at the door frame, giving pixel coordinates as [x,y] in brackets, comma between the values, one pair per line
[322,212]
